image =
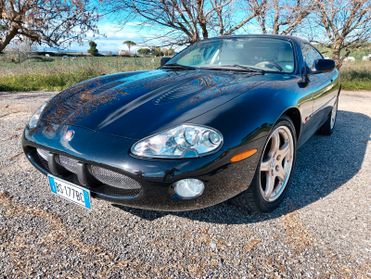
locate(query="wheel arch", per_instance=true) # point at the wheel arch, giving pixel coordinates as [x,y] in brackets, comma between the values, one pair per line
[295,116]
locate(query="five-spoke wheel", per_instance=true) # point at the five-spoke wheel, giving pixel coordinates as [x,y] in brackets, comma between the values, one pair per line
[273,174]
[272,177]
[276,163]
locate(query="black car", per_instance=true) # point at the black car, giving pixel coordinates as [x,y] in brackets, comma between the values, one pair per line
[222,119]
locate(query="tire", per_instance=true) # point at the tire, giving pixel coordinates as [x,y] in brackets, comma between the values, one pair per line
[328,127]
[256,199]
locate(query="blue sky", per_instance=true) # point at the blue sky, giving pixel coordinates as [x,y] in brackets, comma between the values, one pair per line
[112,35]
[113,32]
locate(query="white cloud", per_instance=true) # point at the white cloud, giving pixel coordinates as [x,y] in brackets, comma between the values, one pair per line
[138,24]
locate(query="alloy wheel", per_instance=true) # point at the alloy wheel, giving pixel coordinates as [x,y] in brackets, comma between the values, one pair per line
[276,163]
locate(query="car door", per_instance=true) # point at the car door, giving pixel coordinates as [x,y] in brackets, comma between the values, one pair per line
[323,86]
[309,90]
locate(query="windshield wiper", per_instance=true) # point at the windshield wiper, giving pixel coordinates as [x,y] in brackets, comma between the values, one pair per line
[237,67]
[247,68]
[178,66]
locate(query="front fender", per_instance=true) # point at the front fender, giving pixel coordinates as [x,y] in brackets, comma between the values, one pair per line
[252,115]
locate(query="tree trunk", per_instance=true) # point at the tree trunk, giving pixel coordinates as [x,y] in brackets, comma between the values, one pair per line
[201,19]
[337,57]
[8,38]
[337,46]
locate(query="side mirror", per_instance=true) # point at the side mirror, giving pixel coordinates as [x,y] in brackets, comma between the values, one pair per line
[164,60]
[323,65]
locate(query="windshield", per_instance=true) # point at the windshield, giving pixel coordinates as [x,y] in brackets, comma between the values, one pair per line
[273,55]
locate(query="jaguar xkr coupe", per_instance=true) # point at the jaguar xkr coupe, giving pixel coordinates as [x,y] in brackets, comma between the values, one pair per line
[221,119]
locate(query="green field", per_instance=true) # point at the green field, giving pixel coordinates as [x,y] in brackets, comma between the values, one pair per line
[356,75]
[56,73]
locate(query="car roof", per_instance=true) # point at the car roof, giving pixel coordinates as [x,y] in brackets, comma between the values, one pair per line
[282,37]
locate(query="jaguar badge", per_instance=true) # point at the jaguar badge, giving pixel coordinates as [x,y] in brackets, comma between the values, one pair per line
[69,135]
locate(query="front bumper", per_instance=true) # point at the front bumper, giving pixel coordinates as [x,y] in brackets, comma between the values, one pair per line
[222,179]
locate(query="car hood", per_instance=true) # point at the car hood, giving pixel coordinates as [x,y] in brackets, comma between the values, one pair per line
[137,104]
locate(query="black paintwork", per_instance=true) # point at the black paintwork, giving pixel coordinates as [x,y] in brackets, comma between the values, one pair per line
[110,113]
[324,65]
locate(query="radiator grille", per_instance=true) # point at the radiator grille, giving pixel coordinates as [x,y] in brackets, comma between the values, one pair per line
[114,179]
[68,163]
[112,184]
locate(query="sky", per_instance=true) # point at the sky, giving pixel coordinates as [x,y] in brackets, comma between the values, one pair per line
[113,32]
[112,35]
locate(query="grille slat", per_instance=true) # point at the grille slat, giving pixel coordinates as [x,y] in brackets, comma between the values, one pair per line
[42,153]
[114,179]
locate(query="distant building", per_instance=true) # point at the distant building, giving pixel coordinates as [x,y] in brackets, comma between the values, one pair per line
[123,52]
[366,58]
[349,59]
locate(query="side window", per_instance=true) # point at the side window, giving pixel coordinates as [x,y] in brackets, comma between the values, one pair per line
[310,54]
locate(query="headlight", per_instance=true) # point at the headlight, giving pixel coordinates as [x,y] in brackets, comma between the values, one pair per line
[185,141]
[36,116]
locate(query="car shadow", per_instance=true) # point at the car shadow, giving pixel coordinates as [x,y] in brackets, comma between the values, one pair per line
[323,165]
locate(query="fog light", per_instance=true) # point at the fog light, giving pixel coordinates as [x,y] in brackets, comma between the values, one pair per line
[189,188]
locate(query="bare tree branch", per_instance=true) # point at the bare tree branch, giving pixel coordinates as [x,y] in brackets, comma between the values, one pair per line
[347,24]
[53,22]
[191,20]
[280,16]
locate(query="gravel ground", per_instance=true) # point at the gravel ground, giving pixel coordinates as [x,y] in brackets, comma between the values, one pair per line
[321,231]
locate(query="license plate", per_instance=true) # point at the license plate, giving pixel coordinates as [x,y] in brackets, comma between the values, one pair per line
[70,191]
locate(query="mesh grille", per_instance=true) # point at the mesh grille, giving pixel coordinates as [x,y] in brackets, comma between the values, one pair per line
[118,192]
[68,163]
[114,179]
[42,153]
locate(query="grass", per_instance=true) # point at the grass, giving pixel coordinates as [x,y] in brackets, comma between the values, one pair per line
[57,73]
[356,75]
[52,81]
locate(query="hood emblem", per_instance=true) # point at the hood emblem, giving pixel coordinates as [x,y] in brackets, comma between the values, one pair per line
[69,135]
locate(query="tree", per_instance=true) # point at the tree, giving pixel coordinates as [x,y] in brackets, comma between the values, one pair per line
[156,51]
[93,48]
[168,51]
[129,44]
[52,22]
[280,16]
[187,21]
[347,24]
[144,51]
